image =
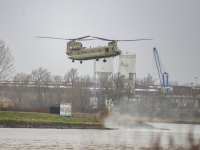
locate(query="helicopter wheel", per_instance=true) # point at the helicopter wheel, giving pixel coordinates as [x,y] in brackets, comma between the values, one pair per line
[81,62]
[72,60]
[97,59]
[104,60]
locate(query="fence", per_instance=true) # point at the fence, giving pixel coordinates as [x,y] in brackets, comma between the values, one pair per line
[40,109]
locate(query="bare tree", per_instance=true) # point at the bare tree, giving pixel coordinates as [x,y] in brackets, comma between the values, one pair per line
[82,93]
[58,89]
[41,77]
[129,87]
[6,62]
[71,76]
[107,86]
[115,86]
[149,80]
[21,81]
[119,86]
[46,81]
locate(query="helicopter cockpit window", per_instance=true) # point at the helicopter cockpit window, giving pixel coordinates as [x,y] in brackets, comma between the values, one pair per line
[115,49]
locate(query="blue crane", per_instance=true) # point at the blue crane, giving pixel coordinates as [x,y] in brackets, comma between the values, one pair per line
[163,77]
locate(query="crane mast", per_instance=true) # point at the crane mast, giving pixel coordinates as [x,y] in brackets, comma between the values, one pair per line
[163,77]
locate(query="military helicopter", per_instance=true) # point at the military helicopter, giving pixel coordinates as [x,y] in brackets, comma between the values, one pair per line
[76,51]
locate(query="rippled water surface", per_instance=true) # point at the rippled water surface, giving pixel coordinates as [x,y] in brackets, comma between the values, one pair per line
[21,138]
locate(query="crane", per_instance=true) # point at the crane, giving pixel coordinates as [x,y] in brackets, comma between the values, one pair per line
[163,77]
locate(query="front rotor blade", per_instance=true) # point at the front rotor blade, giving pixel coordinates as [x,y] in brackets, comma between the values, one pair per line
[52,38]
[82,37]
[85,39]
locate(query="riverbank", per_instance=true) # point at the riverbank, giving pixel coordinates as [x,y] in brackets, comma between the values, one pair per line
[48,125]
[12,119]
[44,117]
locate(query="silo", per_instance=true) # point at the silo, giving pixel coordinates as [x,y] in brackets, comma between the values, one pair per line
[101,70]
[104,69]
[127,65]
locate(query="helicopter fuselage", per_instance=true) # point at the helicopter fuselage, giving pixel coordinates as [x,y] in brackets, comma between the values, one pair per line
[75,51]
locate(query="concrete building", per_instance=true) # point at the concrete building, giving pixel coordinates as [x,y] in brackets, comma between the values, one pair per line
[127,65]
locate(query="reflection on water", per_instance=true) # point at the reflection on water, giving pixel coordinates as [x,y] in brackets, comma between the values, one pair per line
[20,138]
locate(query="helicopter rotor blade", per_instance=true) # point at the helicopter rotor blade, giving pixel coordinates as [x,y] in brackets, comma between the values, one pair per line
[135,40]
[86,39]
[82,37]
[52,38]
[63,38]
[101,38]
[119,40]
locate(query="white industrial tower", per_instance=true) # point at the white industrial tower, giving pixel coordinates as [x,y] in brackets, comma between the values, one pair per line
[104,69]
[127,65]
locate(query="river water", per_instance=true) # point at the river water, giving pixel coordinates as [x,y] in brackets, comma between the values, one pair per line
[25,138]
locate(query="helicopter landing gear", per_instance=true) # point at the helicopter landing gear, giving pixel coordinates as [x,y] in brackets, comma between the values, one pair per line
[81,62]
[97,59]
[104,60]
[72,60]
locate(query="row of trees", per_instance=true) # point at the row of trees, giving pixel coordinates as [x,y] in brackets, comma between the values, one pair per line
[40,88]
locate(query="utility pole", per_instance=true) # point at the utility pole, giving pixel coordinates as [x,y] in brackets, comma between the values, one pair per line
[191,90]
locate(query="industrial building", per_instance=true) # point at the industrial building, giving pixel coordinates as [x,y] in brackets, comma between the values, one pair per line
[127,65]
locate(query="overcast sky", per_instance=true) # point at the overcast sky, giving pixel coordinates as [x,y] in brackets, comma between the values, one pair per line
[174,26]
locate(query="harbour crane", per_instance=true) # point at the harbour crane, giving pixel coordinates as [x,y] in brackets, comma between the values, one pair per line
[163,77]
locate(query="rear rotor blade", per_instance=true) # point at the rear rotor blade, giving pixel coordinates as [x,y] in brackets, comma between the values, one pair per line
[101,38]
[119,40]
[135,40]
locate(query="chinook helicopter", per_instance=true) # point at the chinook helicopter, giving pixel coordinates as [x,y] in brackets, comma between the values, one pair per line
[76,51]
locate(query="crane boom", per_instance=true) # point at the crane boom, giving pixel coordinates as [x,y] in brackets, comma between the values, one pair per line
[163,77]
[155,52]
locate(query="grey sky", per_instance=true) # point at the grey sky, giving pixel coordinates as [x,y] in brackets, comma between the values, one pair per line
[174,26]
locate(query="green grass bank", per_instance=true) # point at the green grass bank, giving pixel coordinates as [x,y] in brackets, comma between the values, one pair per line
[16,119]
